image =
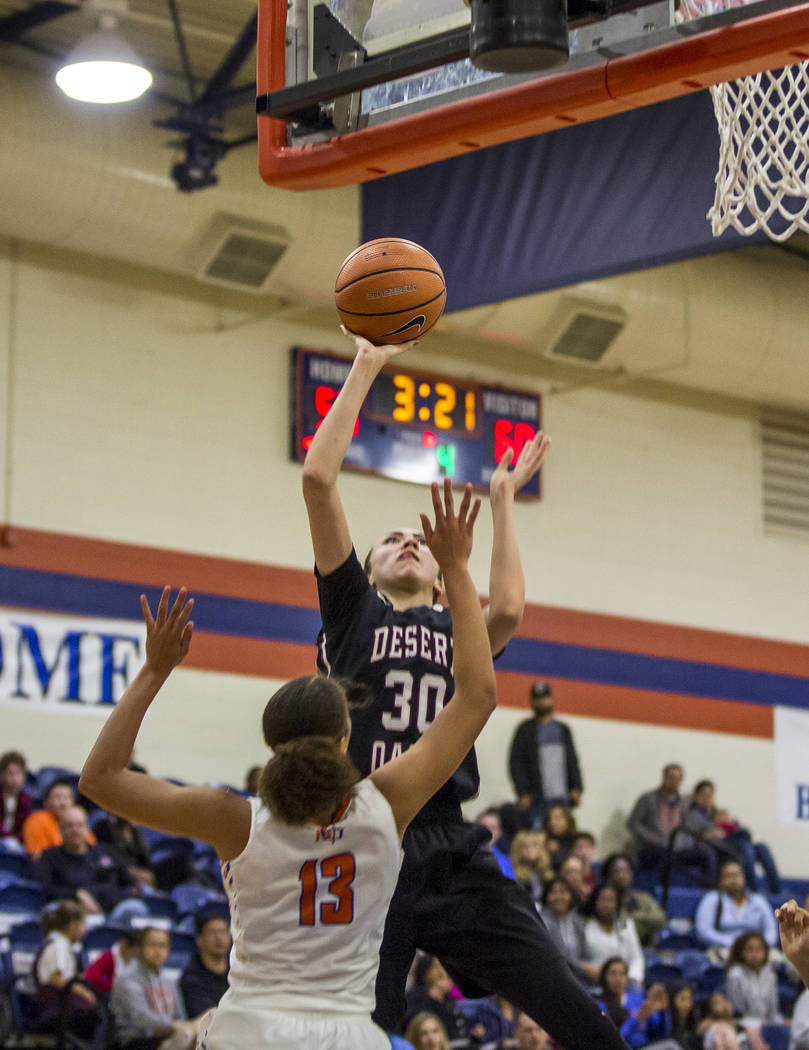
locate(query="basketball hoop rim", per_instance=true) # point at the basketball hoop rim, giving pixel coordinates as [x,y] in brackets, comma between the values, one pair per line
[679,67]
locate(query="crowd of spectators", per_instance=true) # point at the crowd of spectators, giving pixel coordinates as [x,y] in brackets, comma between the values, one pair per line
[607,915]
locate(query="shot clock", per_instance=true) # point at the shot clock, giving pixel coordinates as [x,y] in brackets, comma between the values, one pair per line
[416,426]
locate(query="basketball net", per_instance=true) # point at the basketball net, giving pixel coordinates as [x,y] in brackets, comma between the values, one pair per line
[763,177]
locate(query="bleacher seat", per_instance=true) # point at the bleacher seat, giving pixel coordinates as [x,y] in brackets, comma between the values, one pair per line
[19,900]
[662,973]
[15,865]
[99,939]
[682,901]
[190,899]
[47,774]
[160,906]
[669,939]
[710,980]
[776,1036]
[182,947]
[692,962]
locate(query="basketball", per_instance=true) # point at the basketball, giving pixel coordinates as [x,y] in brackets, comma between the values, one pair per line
[390,291]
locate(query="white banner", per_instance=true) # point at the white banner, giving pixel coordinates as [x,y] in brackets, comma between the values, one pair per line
[792,765]
[66,663]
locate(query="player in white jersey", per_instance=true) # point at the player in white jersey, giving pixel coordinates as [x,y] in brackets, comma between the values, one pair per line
[309,866]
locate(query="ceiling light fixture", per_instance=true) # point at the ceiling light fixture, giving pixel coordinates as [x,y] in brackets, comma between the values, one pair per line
[103,68]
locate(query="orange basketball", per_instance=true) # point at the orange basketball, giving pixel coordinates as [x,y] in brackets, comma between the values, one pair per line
[390,290]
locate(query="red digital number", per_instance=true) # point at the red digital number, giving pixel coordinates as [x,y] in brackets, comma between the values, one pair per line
[324,399]
[511,435]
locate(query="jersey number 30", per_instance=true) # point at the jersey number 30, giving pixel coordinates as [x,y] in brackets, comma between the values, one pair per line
[337,873]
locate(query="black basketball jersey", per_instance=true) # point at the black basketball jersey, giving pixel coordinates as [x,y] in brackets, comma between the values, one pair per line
[404,661]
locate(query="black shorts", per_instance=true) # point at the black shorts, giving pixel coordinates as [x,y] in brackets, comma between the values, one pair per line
[453,901]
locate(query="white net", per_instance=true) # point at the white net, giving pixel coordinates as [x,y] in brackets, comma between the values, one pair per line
[763,177]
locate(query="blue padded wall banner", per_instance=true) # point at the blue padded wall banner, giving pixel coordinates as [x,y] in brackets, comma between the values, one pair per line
[614,195]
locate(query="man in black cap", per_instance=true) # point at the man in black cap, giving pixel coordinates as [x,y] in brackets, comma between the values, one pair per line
[543,762]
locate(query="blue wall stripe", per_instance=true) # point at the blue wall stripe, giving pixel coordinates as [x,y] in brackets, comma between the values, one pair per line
[268,621]
[81,595]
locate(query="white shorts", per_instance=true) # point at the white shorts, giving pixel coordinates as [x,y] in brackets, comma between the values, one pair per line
[234,1027]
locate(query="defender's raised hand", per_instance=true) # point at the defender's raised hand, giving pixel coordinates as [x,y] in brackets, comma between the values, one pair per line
[168,634]
[450,538]
[793,926]
[531,459]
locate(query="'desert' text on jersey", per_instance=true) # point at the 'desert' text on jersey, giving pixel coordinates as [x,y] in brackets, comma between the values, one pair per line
[403,659]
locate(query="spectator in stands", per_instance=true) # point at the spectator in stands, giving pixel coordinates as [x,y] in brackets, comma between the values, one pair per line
[724,913]
[491,1022]
[682,1017]
[799,1033]
[725,834]
[129,844]
[41,829]
[430,992]
[543,763]
[639,1017]
[103,971]
[584,847]
[251,780]
[718,1028]
[205,979]
[564,924]
[147,1004]
[529,1035]
[750,984]
[17,803]
[94,875]
[530,862]
[571,872]
[490,819]
[607,935]
[657,826]
[637,905]
[55,968]
[559,829]
[425,1032]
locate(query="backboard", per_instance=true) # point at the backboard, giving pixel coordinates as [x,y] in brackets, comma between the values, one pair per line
[351,90]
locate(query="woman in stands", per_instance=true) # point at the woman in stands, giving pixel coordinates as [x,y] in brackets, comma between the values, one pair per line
[56,967]
[311,864]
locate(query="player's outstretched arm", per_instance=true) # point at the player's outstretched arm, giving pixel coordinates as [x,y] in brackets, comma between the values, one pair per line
[506,580]
[328,526]
[793,926]
[410,780]
[216,816]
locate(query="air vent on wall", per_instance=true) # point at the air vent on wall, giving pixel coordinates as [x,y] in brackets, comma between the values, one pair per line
[785,471]
[238,253]
[581,331]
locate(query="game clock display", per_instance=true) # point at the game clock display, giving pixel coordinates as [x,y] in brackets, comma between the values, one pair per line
[416,426]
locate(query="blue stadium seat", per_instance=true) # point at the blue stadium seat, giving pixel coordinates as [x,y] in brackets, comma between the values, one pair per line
[190,899]
[692,962]
[710,980]
[662,973]
[47,774]
[160,906]
[182,947]
[776,1036]
[682,901]
[15,865]
[19,900]
[669,939]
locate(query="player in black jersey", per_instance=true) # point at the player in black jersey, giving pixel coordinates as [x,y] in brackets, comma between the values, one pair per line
[383,627]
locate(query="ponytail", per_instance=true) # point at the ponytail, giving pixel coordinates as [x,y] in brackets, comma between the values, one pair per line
[306,778]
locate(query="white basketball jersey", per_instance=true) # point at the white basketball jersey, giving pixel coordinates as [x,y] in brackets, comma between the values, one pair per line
[308,907]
